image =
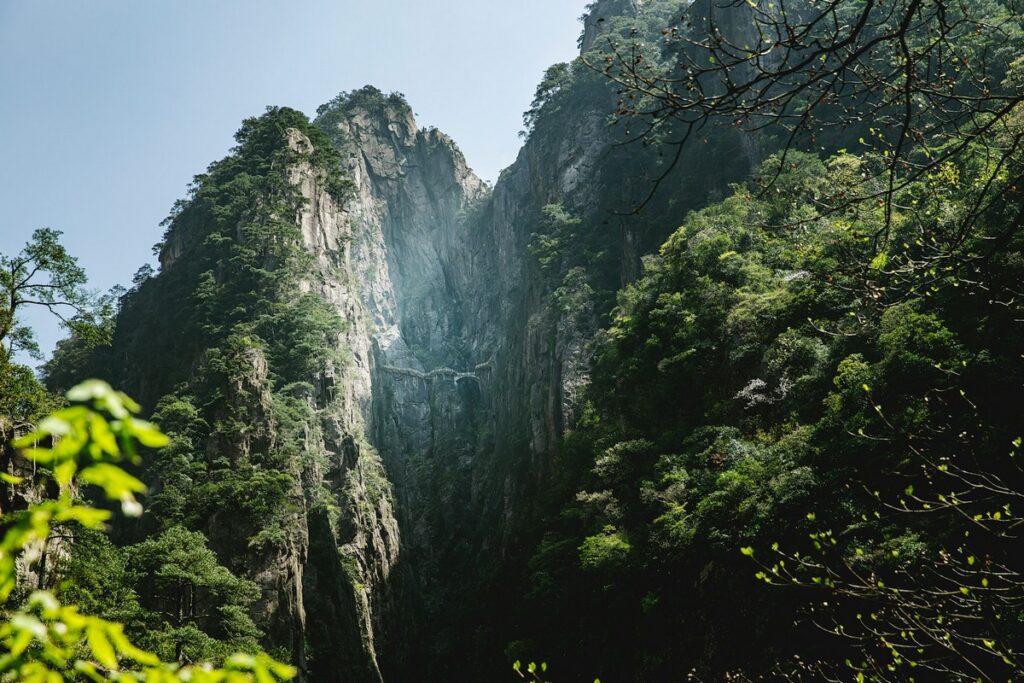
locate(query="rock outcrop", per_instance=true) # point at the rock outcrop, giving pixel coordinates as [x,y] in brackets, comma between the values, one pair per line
[428,434]
[387,264]
[468,369]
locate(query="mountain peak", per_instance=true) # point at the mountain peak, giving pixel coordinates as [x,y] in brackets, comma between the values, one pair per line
[598,12]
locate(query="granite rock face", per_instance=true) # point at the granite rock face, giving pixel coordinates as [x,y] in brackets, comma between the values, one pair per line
[476,367]
[459,381]
[387,263]
[598,13]
[465,371]
[430,438]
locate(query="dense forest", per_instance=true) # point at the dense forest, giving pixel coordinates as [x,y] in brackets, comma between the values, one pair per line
[720,381]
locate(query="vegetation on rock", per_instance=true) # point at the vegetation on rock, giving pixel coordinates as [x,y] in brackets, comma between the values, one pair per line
[764,352]
[44,640]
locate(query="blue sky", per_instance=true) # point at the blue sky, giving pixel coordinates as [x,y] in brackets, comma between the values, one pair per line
[108,108]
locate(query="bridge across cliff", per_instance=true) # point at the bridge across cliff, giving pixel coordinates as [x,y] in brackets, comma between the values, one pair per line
[428,376]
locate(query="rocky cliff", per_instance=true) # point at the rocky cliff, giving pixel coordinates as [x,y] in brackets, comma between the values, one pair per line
[419,374]
[307,346]
[479,353]
[347,312]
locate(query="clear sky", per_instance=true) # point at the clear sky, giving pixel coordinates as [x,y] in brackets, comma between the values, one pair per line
[108,108]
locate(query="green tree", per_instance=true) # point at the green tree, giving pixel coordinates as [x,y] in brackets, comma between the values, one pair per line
[46,641]
[23,398]
[43,274]
[94,576]
[196,607]
[82,353]
[770,384]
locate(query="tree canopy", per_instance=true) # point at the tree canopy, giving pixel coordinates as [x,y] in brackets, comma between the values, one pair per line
[42,274]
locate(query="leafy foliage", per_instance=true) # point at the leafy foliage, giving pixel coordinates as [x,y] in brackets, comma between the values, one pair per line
[47,641]
[819,373]
[748,379]
[196,609]
[234,350]
[43,274]
[22,396]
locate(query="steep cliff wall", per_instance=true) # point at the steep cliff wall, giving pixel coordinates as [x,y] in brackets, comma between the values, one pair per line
[350,314]
[464,358]
[255,344]
[477,352]
[419,376]
[305,344]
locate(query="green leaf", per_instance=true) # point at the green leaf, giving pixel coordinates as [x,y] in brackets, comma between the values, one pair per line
[65,472]
[44,602]
[54,425]
[125,647]
[240,661]
[88,390]
[282,670]
[26,628]
[148,434]
[115,482]
[100,645]
[40,455]
[88,517]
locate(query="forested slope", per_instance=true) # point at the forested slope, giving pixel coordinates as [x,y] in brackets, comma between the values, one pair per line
[721,379]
